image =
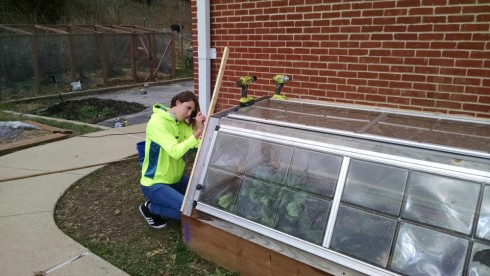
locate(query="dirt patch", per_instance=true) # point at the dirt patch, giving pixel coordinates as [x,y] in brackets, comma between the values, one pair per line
[91,110]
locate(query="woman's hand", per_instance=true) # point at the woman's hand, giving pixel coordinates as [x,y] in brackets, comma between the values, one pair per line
[200,120]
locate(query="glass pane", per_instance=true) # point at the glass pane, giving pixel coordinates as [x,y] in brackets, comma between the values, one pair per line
[442,201]
[480,260]
[375,186]
[220,189]
[269,162]
[230,152]
[314,172]
[482,130]
[410,121]
[303,216]
[420,251]
[363,235]
[399,132]
[483,229]
[257,201]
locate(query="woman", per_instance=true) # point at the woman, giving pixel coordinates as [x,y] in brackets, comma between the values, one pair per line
[170,133]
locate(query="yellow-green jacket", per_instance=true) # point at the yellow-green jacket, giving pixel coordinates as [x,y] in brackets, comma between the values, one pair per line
[167,140]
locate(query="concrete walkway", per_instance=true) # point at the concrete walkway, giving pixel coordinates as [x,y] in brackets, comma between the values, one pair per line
[30,241]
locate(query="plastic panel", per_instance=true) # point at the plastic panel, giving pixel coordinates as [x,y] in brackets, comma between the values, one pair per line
[375,186]
[483,229]
[442,201]
[363,235]
[421,251]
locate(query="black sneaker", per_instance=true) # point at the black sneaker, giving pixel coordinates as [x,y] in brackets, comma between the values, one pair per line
[153,220]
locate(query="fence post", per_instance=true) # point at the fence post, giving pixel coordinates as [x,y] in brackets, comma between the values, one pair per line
[102,57]
[172,47]
[35,65]
[151,55]
[132,56]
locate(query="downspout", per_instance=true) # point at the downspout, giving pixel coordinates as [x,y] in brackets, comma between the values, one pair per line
[203,53]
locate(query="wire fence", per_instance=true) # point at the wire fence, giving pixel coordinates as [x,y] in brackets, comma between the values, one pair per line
[37,60]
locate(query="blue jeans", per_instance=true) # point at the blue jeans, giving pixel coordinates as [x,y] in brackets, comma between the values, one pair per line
[166,199]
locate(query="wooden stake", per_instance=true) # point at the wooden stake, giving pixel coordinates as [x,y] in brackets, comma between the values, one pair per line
[212,105]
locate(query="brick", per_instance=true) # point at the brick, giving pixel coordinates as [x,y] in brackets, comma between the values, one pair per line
[408,20]
[398,100]
[460,18]
[406,36]
[467,81]
[426,69]
[372,13]
[383,4]
[452,71]
[478,73]
[483,18]
[455,54]
[401,85]
[440,79]
[422,102]
[378,83]
[438,95]
[469,63]
[457,36]
[420,45]
[448,105]
[386,76]
[424,53]
[424,86]
[403,53]
[443,45]
[347,74]
[484,100]
[394,12]
[463,98]
[356,82]
[471,45]
[382,37]
[480,54]
[395,28]
[421,11]
[416,61]
[408,3]
[350,29]
[477,90]
[434,2]
[434,19]
[402,69]
[481,36]
[413,93]
[380,52]
[450,88]
[414,78]
[384,20]
[474,27]
[448,10]
[447,27]
[362,21]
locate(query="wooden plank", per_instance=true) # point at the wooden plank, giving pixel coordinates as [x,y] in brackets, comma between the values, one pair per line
[14,30]
[48,128]
[241,255]
[49,29]
[111,29]
[5,148]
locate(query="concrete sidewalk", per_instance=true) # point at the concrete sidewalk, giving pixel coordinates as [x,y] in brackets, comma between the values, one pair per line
[30,241]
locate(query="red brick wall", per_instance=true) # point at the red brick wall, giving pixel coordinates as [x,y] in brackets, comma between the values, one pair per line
[428,55]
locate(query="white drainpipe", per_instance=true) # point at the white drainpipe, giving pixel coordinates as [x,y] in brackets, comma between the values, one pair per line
[203,53]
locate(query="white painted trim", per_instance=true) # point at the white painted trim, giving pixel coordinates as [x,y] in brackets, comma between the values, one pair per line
[204,44]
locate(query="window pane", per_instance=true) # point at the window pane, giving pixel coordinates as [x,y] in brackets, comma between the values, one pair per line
[257,201]
[363,235]
[480,260]
[375,186]
[314,172]
[220,189]
[420,251]
[442,201]
[269,162]
[483,229]
[303,216]
[230,153]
